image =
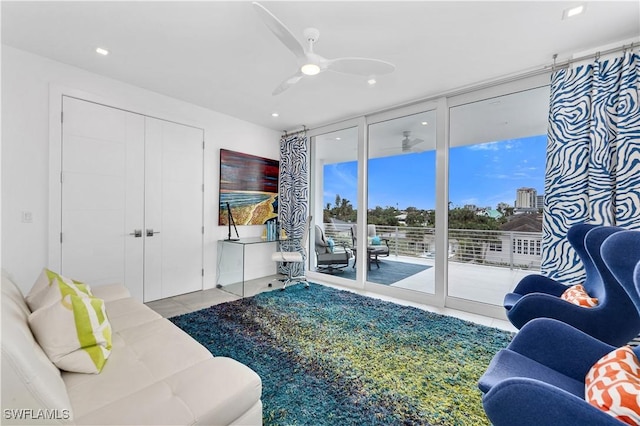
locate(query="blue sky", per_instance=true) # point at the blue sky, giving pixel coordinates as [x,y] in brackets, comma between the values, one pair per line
[483,174]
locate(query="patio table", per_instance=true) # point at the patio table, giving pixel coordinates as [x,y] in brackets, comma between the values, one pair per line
[372,255]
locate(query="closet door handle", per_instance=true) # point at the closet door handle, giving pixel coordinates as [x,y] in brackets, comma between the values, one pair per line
[137,233]
[151,232]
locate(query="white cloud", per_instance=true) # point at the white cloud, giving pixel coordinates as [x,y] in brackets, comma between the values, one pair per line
[473,200]
[489,146]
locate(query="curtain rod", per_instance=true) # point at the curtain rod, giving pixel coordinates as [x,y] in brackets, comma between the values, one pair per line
[496,82]
[285,133]
[595,55]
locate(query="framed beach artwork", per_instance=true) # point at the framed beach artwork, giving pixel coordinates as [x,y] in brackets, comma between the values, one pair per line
[249,186]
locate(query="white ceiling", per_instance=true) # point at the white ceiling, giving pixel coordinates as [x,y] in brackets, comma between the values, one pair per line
[221,56]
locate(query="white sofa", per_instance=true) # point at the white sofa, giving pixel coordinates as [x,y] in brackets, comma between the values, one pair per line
[156,374]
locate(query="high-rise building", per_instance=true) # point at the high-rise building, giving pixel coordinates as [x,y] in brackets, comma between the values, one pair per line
[540,201]
[526,198]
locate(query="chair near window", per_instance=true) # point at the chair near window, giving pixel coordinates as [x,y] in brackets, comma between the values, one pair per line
[535,283]
[289,259]
[614,320]
[330,257]
[541,377]
[376,245]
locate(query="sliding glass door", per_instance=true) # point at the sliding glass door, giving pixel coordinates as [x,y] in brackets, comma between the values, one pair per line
[401,202]
[335,195]
[438,202]
[496,190]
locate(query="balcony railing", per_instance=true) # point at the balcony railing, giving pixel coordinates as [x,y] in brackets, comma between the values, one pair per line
[514,250]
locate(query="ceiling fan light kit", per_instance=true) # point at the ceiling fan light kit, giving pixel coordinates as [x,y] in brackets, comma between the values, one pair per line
[311,63]
[310,69]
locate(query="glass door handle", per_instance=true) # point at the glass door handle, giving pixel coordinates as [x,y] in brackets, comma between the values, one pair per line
[151,232]
[137,233]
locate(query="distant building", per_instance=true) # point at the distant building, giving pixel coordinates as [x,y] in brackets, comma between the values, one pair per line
[523,223]
[503,206]
[492,213]
[471,207]
[526,198]
[519,243]
[540,201]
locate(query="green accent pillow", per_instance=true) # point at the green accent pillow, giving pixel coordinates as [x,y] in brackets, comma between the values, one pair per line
[74,332]
[39,296]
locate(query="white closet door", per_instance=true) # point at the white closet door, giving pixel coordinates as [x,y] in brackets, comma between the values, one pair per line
[102,194]
[173,209]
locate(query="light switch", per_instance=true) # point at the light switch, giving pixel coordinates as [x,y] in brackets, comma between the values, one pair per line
[27,217]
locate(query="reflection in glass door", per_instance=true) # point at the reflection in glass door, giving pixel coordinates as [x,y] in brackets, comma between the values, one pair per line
[496,191]
[401,183]
[335,170]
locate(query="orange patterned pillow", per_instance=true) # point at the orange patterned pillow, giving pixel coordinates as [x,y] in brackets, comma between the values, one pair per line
[613,385]
[577,295]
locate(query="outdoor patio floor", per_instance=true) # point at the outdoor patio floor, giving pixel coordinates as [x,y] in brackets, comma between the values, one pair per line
[480,283]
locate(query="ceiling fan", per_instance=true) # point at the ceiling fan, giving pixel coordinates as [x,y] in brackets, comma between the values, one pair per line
[408,144]
[310,63]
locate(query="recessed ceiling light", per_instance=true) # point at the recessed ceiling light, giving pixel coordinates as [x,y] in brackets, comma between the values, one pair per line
[573,11]
[338,138]
[371,81]
[425,123]
[102,51]
[275,114]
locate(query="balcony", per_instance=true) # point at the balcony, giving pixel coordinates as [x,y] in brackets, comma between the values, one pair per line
[483,265]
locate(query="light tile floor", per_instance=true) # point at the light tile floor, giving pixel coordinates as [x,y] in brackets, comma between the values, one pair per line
[191,302]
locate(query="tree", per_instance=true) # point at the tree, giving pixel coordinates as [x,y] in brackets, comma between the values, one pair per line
[416,217]
[460,218]
[345,211]
[326,213]
[380,216]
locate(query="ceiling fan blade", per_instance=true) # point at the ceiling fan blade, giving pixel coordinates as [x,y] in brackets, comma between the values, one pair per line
[287,83]
[360,66]
[280,30]
[414,142]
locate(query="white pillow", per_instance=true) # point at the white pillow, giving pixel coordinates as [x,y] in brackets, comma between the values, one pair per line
[74,332]
[39,297]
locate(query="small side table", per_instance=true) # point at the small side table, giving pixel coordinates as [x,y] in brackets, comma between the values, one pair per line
[372,256]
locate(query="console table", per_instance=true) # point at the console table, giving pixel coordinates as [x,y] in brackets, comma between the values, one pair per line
[232,263]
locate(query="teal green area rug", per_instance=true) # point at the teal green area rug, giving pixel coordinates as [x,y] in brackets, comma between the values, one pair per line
[332,357]
[390,271]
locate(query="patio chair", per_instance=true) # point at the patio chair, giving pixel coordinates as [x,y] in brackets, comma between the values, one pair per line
[330,257]
[613,320]
[376,245]
[540,377]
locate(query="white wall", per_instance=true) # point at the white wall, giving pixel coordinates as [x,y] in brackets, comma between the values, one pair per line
[26,82]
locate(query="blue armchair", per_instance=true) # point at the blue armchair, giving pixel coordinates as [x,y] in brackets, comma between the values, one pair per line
[539,378]
[535,283]
[614,320]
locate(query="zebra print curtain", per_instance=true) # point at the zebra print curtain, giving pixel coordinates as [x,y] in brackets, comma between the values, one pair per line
[593,156]
[293,201]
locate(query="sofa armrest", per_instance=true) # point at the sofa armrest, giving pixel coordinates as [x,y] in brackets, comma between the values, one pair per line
[537,337]
[536,283]
[110,292]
